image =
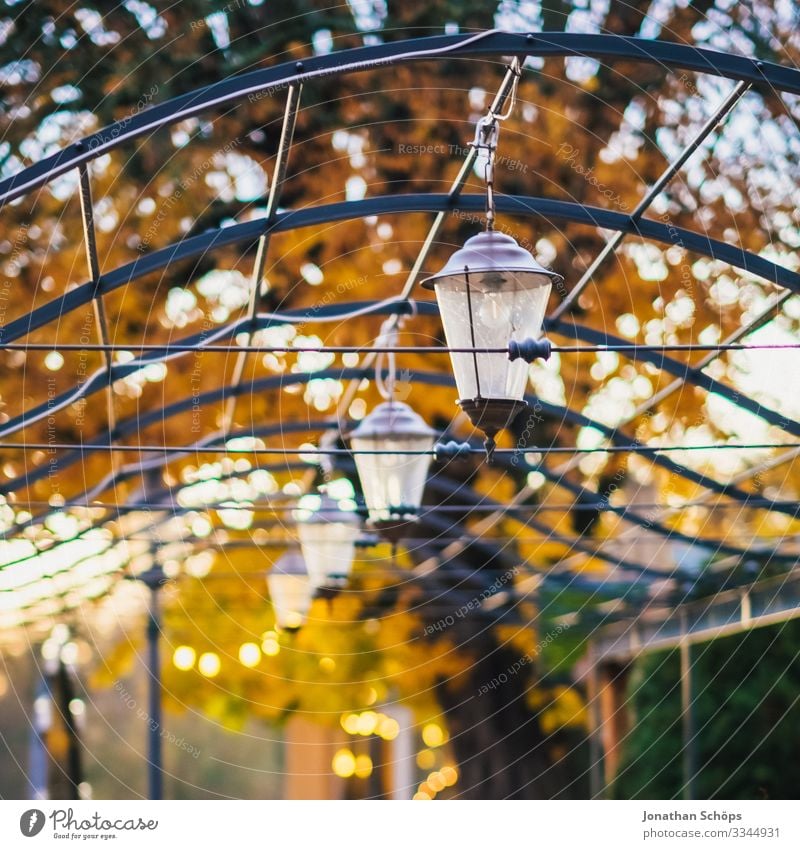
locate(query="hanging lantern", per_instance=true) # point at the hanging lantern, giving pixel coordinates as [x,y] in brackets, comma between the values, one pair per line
[327,539]
[393,481]
[491,293]
[291,591]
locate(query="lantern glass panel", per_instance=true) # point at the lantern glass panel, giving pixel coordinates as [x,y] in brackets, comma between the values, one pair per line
[393,483]
[328,549]
[291,598]
[497,310]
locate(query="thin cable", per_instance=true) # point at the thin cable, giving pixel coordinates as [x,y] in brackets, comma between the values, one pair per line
[163,354]
[315,452]
[379,349]
[579,507]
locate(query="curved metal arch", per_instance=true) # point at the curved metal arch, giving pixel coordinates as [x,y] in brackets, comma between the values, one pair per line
[578,544]
[66,459]
[694,376]
[717,545]
[133,470]
[666,54]
[99,381]
[439,482]
[452,487]
[521,205]
[588,496]
[637,228]
[429,378]
[449,487]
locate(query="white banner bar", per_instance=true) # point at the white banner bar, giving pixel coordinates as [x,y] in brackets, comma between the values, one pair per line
[399,825]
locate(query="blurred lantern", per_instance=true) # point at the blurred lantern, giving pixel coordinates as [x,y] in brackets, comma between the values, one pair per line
[327,539]
[394,471]
[491,292]
[290,590]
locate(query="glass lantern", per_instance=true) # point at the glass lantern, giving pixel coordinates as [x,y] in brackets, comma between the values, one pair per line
[393,480]
[291,591]
[327,539]
[491,292]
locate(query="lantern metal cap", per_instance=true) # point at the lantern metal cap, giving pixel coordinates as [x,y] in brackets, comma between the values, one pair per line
[489,252]
[292,563]
[329,512]
[392,419]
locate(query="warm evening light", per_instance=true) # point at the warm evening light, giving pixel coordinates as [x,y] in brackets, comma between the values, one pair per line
[183,658]
[426,759]
[344,763]
[363,766]
[433,735]
[249,654]
[209,664]
[400,400]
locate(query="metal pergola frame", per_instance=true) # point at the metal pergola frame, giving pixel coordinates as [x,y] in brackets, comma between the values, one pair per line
[290,78]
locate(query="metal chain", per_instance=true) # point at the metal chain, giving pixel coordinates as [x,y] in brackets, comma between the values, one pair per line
[487,135]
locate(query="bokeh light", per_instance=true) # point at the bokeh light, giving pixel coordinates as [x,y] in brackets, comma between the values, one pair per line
[249,654]
[209,664]
[344,763]
[183,658]
[433,735]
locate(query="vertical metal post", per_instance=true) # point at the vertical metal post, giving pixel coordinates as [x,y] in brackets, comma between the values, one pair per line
[37,748]
[155,788]
[401,763]
[687,721]
[596,782]
[66,693]
[154,579]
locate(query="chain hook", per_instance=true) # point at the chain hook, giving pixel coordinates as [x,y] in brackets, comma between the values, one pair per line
[387,338]
[487,135]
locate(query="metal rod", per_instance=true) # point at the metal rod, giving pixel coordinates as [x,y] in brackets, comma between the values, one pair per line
[411,540]
[634,448]
[768,602]
[521,206]
[154,579]
[576,507]
[74,771]
[730,343]
[264,81]
[278,178]
[170,348]
[596,782]
[689,759]
[655,190]
[456,187]
[676,385]
[101,321]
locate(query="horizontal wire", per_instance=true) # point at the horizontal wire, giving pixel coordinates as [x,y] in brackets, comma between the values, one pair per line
[355,349]
[423,508]
[321,452]
[432,540]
